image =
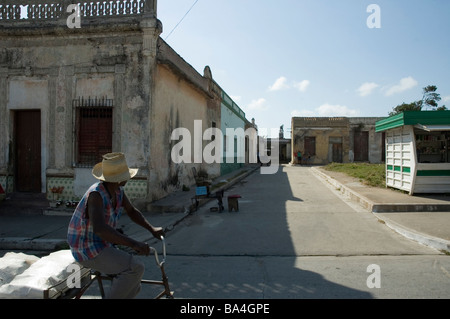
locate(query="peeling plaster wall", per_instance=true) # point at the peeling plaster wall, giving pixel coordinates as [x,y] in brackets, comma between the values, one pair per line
[153,88]
[176,104]
[48,71]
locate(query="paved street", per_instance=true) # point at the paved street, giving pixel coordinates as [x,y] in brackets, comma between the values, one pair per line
[292,213]
[295,237]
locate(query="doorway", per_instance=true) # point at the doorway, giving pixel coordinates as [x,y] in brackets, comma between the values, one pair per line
[28,151]
[335,150]
[361,146]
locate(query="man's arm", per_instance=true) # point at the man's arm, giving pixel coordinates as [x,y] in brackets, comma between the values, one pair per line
[137,217]
[106,232]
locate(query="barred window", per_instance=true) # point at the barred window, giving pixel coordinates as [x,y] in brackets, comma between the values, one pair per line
[93,130]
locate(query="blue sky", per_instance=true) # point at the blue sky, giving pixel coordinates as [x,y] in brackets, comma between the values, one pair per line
[279,59]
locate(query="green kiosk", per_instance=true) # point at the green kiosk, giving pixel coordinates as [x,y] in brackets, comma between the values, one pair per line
[417,151]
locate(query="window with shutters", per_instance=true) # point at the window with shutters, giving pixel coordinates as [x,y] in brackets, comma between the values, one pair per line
[93,130]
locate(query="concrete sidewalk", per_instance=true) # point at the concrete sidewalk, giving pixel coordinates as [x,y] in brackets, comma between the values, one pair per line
[425,219]
[37,227]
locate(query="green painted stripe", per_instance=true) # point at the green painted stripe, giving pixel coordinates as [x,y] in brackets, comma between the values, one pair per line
[398,169]
[434,173]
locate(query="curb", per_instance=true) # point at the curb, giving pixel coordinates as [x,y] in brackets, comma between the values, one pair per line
[427,240]
[229,184]
[202,202]
[417,208]
[363,201]
[22,243]
[236,180]
[381,208]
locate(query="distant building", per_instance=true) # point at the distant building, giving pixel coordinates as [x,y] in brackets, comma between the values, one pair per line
[284,146]
[323,140]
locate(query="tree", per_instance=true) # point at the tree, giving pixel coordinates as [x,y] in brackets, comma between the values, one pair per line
[429,100]
[414,106]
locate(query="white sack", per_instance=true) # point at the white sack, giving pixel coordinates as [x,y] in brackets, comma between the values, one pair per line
[40,276]
[13,264]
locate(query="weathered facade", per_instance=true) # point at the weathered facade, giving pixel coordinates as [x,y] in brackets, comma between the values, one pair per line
[323,140]
[181,97]
[72,94]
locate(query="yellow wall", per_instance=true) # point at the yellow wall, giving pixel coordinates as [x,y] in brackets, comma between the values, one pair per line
[176,104]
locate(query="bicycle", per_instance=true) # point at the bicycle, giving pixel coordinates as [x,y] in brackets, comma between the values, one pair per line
[88,277]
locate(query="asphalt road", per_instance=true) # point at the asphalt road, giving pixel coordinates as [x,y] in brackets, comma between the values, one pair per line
[293,238]
[291,213]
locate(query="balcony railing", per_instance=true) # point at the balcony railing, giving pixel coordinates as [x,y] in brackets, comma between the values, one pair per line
[16,10]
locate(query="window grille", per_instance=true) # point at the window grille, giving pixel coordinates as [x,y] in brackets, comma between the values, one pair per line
[93,130]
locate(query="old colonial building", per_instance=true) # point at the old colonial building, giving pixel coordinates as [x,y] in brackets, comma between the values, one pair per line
[76,86]
[323,140]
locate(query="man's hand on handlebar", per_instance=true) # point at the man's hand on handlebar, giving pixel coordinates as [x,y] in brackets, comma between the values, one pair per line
[157,232]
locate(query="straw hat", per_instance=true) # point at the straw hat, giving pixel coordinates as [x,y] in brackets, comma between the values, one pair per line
[113,169]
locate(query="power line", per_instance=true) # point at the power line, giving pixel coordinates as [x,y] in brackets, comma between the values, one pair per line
[182,19]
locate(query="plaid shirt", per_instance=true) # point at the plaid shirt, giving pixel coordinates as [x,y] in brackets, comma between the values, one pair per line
[83,242]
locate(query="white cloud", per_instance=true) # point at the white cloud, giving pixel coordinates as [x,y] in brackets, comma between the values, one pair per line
[404,85]
[302,86]
[302,113]
[367,88]
[326,110]
[258,105]
[282,84]
[335,110]
[279,84]
[446,98]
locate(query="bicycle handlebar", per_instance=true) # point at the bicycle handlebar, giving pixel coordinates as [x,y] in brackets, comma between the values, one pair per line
[156,252]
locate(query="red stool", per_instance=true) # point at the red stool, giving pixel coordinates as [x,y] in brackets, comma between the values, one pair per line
[233,202]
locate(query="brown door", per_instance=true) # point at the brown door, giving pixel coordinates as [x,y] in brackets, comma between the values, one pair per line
[337,152]
[361,146]
[28,151]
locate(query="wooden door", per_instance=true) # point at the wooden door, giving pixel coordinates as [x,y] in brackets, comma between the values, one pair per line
[337,152]
[361,146]
[28,151]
